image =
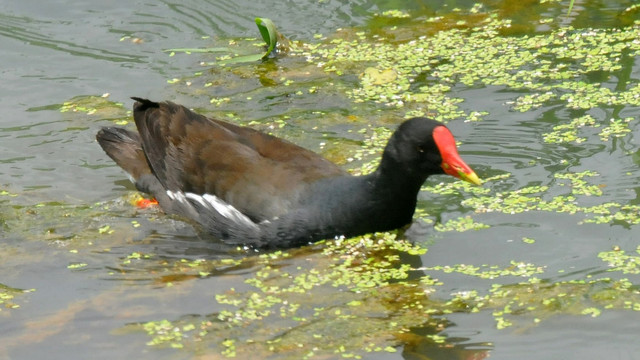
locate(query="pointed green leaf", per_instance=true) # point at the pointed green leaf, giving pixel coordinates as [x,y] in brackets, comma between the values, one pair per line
[570,8]
[241,59]
[269,34]
[196,50]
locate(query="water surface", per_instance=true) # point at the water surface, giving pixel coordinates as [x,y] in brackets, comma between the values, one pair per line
[83,271]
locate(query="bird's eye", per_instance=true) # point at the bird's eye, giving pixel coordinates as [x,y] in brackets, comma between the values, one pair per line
[420,149]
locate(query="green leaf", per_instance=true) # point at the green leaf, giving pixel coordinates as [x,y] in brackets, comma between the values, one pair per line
[269,34]
[570,8]
[241,59]
[267,30]
[196,50]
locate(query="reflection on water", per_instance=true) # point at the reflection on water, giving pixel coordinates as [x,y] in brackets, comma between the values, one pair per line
[106,274]
[33,32]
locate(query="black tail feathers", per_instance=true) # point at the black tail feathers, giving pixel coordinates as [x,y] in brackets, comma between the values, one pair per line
[125,148]
[143,104]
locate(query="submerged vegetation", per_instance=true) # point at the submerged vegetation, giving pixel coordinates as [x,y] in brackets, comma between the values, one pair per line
[7,295]
[419,77]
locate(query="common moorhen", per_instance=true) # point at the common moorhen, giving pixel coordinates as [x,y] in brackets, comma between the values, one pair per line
[249,188]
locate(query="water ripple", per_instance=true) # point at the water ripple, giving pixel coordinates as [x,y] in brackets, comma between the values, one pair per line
[32,32]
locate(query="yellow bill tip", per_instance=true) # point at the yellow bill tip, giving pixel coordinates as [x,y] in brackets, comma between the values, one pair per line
[470,177]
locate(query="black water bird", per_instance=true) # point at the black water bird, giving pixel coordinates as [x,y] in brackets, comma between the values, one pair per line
[249,188]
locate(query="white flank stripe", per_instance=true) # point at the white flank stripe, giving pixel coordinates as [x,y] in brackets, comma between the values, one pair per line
[199,199]
[212,203]
[131,178]
[227,210]
[177,196]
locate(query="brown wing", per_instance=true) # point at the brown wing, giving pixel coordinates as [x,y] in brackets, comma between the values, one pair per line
[259,174]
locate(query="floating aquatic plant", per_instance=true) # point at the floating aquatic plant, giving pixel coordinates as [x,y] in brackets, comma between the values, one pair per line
[366,284]
[268,32]
[8,297]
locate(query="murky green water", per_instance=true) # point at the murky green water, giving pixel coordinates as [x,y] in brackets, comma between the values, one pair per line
[541,262]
